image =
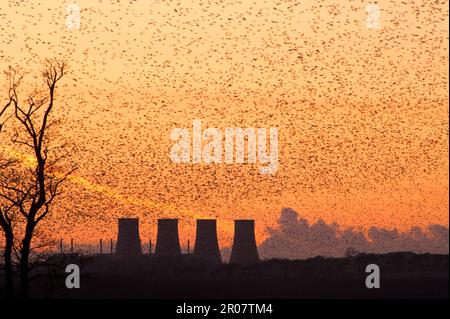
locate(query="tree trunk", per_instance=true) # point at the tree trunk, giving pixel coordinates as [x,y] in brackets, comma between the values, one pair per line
[24,262]
[9,290]
[24,269]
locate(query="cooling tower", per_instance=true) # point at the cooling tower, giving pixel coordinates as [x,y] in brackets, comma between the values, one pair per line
[244,244]
[128,241]
[206,244]
[167,242]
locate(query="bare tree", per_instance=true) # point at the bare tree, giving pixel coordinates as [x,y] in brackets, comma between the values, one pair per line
[7,207]
[31,190]
[6,224]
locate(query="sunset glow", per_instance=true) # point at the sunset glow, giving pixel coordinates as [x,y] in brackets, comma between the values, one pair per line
[361,110]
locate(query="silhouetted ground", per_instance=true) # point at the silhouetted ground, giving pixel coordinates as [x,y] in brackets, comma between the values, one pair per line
[403,275]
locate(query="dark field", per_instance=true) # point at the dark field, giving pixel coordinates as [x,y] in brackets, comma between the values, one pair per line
[403,275]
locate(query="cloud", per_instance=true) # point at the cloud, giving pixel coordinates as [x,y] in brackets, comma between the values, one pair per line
[295,238]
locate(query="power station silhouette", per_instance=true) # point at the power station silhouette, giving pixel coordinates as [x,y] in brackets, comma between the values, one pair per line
[167,242]
[244,244]
[128,240]
[206,243]
[244,250]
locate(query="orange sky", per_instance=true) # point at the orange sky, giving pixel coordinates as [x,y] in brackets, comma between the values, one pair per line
[362,114]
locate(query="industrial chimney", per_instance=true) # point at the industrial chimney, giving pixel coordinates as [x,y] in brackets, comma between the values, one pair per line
[244,244]
[167,242]
[206,244]
[128,241]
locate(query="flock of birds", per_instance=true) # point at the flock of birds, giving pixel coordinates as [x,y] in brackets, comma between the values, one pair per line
[362,114]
